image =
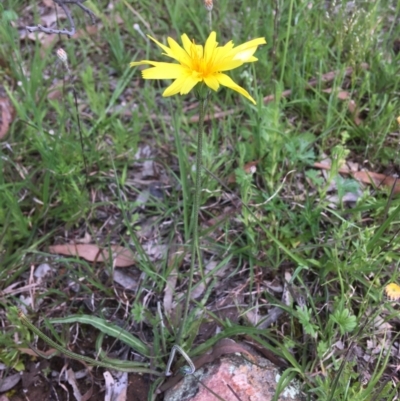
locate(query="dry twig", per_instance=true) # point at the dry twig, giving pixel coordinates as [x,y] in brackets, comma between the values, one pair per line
[63,5]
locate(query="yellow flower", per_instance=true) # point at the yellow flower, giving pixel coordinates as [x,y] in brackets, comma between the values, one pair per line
[200,64]
[393,291]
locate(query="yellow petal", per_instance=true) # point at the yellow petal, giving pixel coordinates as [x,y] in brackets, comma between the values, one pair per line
[393,291]
[186,42]
[245,51]
[189,84]
[166,49]
[224,80]
[251,43]
[142,62]
[175,87]
[163,71]
[227,64]
[209,47]
[246,56]
[212,82]
[179,53]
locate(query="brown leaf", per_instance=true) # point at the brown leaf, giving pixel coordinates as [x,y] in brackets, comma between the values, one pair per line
[169,291]
[6,116]
[51,18]
[343,95]
[377,179]
[89,30]
[55,91]
[48,3]
[367,177]
[47,41]
[121,257]
[251,167]
[9,382]
[31,352]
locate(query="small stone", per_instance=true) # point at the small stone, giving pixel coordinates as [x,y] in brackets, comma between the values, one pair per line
[233,373]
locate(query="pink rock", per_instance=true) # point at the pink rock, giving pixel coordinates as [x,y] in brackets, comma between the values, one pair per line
[232,375]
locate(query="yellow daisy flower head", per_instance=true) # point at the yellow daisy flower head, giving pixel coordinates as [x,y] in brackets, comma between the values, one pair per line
[393,291]
[200,64]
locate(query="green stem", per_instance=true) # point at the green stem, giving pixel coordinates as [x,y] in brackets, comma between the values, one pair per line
[195,215]
[285,52]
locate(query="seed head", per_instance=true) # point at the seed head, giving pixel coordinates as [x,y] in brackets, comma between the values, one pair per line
[208,4]
[62,55]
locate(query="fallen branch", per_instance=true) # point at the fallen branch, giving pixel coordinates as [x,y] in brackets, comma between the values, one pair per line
[63,5]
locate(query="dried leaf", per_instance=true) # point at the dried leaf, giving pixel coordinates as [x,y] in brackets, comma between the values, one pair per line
[48,3]
[71,379]
[7,383]
[170,286]
[116,389]
[32,370]
[47,41]
[121,257]
[201,287]
[367,177]
[31,352]
[55,92]
[109,384]
[42,271]
[52,18]
[120,277]
[89,30]
[6,116]
[251,167]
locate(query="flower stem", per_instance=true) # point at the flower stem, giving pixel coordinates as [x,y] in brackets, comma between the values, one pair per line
[195,215]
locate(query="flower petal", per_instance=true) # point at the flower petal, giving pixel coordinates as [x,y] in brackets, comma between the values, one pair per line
[141,62]
[245,51]
[179,53]
[165,48]
[227,64]
[210,46]
[163,71]
[191,48]
[393,291]
[224,80]
[212,82]
[175,87]
[190,82]
[186,42]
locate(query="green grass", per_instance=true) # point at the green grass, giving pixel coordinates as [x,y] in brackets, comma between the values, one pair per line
[255,227]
